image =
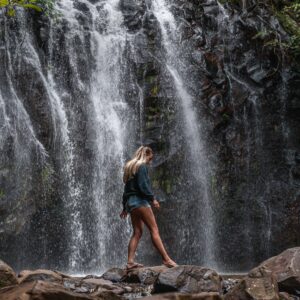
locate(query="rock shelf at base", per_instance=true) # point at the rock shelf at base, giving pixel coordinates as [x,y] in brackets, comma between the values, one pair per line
[277,278]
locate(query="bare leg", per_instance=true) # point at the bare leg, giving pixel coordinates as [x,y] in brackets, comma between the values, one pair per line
[146,214]
[137,225]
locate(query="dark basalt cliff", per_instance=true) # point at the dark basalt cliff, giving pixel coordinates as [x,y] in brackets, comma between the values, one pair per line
[55,147]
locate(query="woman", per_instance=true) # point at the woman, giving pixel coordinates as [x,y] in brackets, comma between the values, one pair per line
[137,198]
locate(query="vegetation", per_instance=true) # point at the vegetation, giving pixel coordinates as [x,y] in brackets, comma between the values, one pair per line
[45,6]
[288,14]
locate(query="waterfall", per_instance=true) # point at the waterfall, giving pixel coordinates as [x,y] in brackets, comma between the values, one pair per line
[195,81]
[84,113]
[193,133]
[108,113]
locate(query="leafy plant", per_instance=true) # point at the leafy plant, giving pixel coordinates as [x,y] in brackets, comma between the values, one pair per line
[46,6]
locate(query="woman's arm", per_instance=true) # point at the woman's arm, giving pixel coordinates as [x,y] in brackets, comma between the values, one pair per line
[124,201]
[144,183]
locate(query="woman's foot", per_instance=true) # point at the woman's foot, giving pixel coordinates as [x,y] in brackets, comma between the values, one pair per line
[133,265]
[170,263]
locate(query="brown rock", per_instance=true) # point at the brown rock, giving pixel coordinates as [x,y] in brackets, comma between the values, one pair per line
[178,296]
[114,274]
[104,285]
[285,296]
[107,295]
[188,279]
[44,275]
[285,268]
[146,275]
[40,290]
[229,281]
[7,275]
[63,275]
[99,282]
[264,288]
[77,285]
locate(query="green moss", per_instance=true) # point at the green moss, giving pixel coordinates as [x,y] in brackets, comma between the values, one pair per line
[225,117]
[288,23]
[47,7]
[155,184]
[288,14]
[2,194]
[151,78]
[46,172]
[47,176]
[149,123]
[168,187]
[154,91]
[154,109]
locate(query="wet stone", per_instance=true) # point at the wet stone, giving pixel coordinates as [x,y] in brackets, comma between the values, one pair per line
[114,274]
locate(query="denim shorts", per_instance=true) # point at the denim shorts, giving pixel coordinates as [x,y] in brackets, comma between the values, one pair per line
[135,202]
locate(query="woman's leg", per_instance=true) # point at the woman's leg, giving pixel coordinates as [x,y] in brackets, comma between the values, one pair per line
[137,225]
[147,216]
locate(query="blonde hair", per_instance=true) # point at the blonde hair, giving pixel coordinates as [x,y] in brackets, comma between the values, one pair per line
[139,157]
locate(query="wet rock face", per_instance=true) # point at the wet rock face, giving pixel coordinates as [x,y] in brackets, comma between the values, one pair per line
[133,12]
[246,97]
[248,93]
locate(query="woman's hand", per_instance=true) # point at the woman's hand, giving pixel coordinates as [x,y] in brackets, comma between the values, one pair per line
[123,214]
[156,204]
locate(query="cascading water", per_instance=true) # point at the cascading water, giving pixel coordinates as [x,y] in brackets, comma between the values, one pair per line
[108,112]
[79,93]
[196,146]
[93,235]
[85,203]
[111,112]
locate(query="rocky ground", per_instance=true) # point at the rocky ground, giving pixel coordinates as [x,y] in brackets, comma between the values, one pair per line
[277,278]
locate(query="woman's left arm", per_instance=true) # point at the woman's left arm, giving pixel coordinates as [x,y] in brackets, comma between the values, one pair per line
[144,183]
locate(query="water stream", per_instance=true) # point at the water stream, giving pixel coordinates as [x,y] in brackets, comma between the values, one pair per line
[192,124]
[80,93]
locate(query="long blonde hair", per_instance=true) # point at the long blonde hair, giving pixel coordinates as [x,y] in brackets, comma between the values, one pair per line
[139,157]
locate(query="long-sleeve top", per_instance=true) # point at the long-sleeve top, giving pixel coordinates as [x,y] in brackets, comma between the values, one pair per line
[138,185]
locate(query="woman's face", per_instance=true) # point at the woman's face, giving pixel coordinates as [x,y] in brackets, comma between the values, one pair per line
[149,158]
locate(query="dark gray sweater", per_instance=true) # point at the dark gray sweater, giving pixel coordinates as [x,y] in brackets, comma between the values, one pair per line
[138,185]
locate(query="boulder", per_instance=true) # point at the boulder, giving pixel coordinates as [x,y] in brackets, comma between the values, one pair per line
[103,286]
[285,268]
[114,274]
[7,275]
[146,275]
[229,283]
[43,275]
[41,290]
[188,279]
[78,286]
[179,296]
[107,295]
[264,288]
